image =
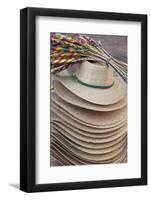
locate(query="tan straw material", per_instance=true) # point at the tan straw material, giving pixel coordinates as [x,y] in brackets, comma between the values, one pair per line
[90,157]
[95,75]
[73,99]
[65,159]
[59,117]
[90,145]
[67,127]
[91,118]
[64,141]
[69,159]
[74,135]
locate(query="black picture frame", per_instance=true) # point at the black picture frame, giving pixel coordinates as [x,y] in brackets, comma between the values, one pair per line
[28,99]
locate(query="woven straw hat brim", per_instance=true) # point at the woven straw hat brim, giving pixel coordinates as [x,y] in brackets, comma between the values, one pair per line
[89,141]
[73,99]
[63,159]
[59,117]
[95,157]
[59,111]
[65,141]
[55,161]
[91,144]
[124,160]
[67,127]
[57,157]
[95,95]
[67,159]
[90,118]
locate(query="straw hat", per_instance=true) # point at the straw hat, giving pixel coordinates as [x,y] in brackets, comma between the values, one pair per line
[91,157]
[73,99]
[99,135]
[85,139]
[88,142]
[95,83]
[107,122]
[63,119]
[88,117]
[66,142]
[68,159]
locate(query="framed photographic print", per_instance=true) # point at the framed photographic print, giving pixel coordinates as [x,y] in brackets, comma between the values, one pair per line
[83,99]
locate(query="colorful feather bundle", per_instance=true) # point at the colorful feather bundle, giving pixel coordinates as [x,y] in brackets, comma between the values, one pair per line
[67,50]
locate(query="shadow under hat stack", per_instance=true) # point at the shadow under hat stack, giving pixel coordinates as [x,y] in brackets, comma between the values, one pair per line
[88,116]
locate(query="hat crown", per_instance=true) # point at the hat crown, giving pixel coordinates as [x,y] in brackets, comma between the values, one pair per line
[94,73]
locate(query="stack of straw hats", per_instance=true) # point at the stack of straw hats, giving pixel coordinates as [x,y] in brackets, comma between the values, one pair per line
[89,116]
